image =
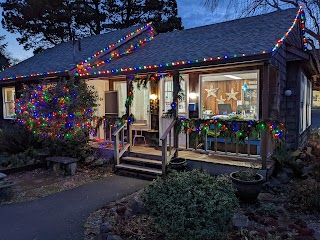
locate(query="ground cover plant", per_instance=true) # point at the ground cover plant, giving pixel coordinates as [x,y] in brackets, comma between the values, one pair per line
[191,205]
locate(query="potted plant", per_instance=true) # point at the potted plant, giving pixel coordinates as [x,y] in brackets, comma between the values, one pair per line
[179,164]
[248,184]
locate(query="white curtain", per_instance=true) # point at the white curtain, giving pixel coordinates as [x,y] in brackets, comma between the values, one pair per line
[140,104]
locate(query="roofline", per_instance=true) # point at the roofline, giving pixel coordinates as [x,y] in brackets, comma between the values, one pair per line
[36,78]
[199,65]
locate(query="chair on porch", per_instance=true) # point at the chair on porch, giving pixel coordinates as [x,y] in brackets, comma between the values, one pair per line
[138,127]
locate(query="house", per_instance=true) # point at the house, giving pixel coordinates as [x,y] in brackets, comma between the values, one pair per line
[256,68]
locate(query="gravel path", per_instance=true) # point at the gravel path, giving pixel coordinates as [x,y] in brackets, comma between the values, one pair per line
[62,215]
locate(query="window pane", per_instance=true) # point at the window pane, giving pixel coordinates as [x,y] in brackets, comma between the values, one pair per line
[8,102]
[9,108]
[230,94]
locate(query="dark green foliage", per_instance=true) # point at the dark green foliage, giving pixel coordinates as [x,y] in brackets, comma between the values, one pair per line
[15,139]
[307,194]
[56,21]
[248,174]
[70,105]
[76,146]
[191,205]
[125,13]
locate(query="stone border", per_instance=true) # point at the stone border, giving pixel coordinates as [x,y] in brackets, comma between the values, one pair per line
[97,227]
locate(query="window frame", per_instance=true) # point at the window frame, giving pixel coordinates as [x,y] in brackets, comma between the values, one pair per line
[4,102]
[257,71]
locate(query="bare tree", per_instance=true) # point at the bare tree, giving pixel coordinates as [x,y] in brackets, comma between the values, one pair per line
[244,8]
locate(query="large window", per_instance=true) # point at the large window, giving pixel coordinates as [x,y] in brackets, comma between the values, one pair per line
[305,103]
[8,94]
[227,95]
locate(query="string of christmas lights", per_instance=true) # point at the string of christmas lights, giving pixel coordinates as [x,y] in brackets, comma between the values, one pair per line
[59,111]
[82,69]
[300,16]
[228,128]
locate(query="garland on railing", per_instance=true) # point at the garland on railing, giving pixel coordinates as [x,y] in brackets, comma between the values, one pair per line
[232,128]
[111,122]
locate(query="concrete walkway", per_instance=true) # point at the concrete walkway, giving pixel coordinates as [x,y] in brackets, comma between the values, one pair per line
[62,215]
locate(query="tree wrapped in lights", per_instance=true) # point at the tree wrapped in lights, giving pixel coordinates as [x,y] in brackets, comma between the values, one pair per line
[58,111]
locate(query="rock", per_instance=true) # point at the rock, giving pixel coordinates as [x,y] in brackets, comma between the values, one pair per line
[113,237]
[72,168]
[100,162]
[271,222]
[303,156]
[309,150]
[300,162]
[240,221]
[306,171]
[89,160]
[301,223]
[136,205]
[305,232]
[296,153]
[105,227]
[266,197]
[283,177]
[2,176]
[289,171]
[304,238]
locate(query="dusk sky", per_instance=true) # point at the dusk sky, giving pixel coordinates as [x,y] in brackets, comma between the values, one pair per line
[192,12]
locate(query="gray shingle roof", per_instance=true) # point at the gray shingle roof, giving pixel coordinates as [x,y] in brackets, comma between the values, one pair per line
[61,57]
[242,36]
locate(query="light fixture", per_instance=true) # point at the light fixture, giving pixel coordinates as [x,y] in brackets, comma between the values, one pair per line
[287,93]
[153,96]
[233,77]
[193,95]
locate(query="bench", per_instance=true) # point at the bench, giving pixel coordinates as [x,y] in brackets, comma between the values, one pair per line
[68,164]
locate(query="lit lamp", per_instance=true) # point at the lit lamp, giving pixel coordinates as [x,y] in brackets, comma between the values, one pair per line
[153,96]
[193,95]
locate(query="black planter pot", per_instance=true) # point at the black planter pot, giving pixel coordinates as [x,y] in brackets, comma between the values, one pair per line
[179,164]
[247,191]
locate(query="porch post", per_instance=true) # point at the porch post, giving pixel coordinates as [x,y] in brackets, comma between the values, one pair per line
[128,112]
[176,88]
[265,114]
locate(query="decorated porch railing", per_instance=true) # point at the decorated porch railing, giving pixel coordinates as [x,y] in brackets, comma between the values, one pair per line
[233,137]
[120,146]
[168,149]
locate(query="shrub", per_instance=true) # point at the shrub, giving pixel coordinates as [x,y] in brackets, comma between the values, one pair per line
[15,139]
[191,205]
[307,194]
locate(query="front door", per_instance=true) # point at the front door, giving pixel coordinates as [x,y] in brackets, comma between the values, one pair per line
[140,106]
[166,98]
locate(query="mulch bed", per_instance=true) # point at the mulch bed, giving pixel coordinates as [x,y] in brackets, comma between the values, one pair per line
[39,183]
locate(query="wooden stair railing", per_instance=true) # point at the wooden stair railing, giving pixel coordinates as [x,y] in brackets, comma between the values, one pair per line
[166,140]
[120,150]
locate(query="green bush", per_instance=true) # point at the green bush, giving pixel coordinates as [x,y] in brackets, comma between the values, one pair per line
[76,146]
[307,194]
[16,139]
[191,205]
[27,157]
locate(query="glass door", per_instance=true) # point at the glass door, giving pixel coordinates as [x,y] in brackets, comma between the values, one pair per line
[140,106]
[166,98]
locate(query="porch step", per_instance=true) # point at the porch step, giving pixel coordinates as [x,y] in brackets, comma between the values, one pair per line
[130,167]
[142,160]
